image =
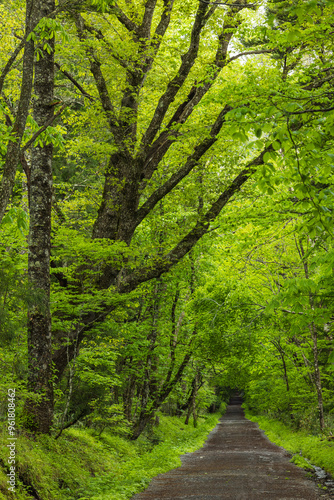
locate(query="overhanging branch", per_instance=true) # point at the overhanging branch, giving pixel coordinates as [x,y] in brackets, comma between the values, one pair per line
[42,129]
[191,162]
[126,283]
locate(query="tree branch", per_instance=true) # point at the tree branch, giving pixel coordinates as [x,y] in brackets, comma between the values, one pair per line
[168,385]
[191,162]
[250,52]
[187,62]
[45,126]
[129,282]
[163,25]
[75,83]
[323,110]
[230,4]
[160,146]
[144,30]
[291,312]
[123,18]
[95,67]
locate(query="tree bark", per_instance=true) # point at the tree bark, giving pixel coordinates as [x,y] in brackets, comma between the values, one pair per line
[313,331]
[39,413]
[317,375]
[192,400]
[13,147]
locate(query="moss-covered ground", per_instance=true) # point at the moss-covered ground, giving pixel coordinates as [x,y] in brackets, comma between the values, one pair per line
[81,465]
[317,449]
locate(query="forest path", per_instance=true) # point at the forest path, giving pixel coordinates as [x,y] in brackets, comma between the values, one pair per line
[237,462]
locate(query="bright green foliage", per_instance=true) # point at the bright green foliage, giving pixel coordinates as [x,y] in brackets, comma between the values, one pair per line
[82,465]
[317,450]
[301,462]
[173,440]
[250,306]
[15,295]
[255,308]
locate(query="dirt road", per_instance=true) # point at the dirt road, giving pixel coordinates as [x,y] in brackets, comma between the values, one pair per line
[237,462]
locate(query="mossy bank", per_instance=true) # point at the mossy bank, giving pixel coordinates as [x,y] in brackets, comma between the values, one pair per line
[317,449]
[81,465]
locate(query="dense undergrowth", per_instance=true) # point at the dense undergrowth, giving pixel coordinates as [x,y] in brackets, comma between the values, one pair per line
[82,465]
[316,448]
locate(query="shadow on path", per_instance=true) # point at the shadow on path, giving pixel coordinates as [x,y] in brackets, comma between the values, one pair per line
[237,462]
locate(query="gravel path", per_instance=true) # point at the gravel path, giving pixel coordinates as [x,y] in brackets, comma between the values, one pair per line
[237,462]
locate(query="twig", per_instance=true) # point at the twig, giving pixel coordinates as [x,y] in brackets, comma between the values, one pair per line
[75,83]
[230,4]
[45,126]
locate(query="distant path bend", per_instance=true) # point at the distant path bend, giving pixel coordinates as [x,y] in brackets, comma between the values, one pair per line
[237,462]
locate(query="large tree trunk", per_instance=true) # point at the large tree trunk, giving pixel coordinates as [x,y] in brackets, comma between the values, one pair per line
[317,375]
[39,412]
[13,147]
[192,399]
[314,336]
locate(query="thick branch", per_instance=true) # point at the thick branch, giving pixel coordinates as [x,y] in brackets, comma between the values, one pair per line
[131,281]
[160,146]
[208,2]
[126,283]
[249,53]
[163,25]
[123,18]
[144,30]
[95,67]
[188,60]
[192,161]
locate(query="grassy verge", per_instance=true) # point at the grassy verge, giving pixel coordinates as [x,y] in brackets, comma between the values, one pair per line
[81,466]
[319,451]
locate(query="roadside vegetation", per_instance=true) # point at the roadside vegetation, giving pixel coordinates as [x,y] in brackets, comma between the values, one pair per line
[166,229]
[86,465]
[317,449]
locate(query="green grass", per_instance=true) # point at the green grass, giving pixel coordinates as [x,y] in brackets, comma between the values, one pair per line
[316,449]
[81,466]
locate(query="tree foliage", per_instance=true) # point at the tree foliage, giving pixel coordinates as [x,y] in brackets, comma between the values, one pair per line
[190,244]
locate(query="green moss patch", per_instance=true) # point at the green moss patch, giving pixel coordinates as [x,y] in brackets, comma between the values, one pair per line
[316,449]
[81,465]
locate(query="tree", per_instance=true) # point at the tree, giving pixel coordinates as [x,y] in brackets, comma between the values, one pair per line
[16,130]
[170,120]
[143,141]
[146,136]
[40,413]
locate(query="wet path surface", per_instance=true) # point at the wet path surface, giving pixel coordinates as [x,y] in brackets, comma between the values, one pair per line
[237,462]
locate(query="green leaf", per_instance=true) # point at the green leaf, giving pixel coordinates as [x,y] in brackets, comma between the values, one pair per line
[266,157]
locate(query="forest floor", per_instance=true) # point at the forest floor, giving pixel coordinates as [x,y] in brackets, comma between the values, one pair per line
[86,464]
[237,462]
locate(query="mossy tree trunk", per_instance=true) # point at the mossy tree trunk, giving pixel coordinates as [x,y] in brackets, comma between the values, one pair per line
[39,412]
[317,375]
[13,153]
